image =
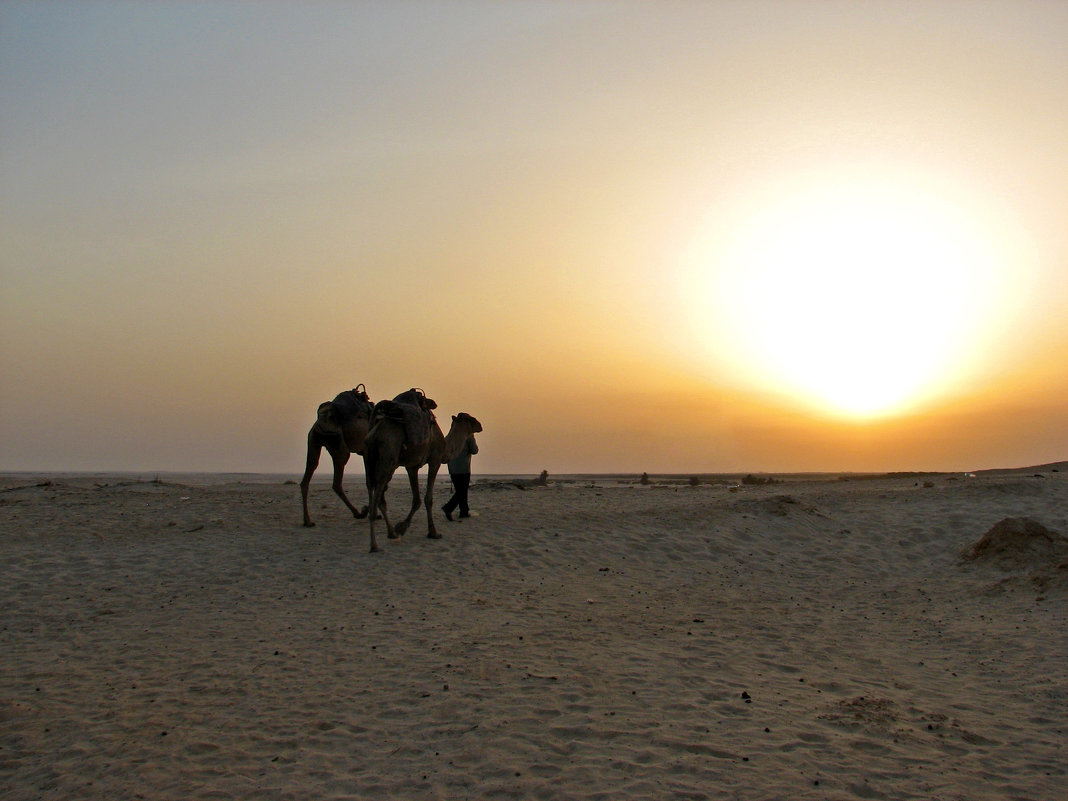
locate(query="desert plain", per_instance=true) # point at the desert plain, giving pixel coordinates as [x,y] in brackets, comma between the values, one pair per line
[823,637]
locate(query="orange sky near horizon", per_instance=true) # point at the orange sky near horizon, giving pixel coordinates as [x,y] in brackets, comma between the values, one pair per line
[673,237]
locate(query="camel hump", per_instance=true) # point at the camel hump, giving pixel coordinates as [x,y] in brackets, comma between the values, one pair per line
[410,413]
[350,405]
[416,397]
[388,410]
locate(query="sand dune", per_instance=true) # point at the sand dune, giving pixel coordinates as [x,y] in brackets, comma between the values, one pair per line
[584,640]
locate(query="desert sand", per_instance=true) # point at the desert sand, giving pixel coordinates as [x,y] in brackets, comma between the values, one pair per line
[187,638]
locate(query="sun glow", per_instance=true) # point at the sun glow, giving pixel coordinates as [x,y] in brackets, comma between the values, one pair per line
[861,298]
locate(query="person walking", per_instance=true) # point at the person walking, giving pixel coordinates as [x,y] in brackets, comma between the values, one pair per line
[460,474]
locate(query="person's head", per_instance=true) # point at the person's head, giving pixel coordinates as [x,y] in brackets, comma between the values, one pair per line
[463,418]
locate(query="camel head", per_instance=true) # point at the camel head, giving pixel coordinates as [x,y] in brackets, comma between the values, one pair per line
[464,419]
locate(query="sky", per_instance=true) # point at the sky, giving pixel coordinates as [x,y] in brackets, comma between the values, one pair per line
[672,237]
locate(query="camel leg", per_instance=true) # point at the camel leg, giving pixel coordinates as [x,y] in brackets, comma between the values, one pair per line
[376,496]
[373,494]
[339,454]
[432,471]
[315,449]
[413,479]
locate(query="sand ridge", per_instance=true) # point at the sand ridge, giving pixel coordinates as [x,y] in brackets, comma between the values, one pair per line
[814,639]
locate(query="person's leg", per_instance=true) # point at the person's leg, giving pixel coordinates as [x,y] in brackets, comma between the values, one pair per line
[454,500]
[463,481]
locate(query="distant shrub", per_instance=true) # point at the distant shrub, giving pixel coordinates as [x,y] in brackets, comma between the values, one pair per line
[751,479]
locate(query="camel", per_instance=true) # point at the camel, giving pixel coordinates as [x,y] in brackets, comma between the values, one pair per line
[340,427]
[405,433]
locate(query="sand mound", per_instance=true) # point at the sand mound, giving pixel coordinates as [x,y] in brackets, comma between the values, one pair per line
[779,505]
[1054,578]
[1020,542]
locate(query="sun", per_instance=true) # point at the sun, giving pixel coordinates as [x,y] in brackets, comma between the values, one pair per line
[861,297]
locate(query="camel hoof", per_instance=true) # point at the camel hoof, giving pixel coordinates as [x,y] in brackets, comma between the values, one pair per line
[400,528]
[309,524]
[361,514]
[374,548]
[433,535]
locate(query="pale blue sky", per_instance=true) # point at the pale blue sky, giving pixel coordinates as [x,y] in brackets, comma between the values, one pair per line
[214,216]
